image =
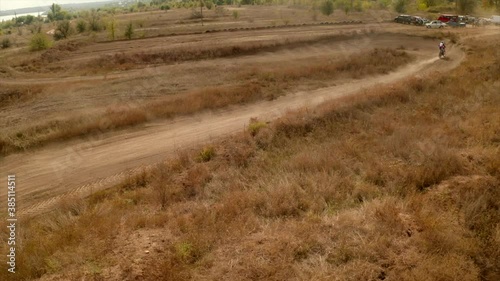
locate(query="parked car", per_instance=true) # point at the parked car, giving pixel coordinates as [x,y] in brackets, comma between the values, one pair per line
[426,21]
[403,19]
[453,23]
[446,18]
[482,21]
[495,20]
[471,20]
[435,24]
[418,20]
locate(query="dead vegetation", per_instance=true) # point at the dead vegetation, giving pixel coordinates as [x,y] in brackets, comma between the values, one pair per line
[11,95]
[257,85]
[132,60]
[400,183]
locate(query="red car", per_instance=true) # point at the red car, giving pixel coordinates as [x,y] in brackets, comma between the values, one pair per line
[447,18]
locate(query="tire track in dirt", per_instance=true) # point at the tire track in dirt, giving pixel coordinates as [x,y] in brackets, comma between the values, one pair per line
[78,193]
[56,173]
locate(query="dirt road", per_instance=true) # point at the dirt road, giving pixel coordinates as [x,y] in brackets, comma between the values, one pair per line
[81,167]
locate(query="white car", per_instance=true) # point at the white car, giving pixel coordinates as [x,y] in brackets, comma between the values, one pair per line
[495,20]
[435,24]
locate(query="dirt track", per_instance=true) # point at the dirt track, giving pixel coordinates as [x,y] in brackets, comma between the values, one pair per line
[81,167]
[77,97]
[90,54]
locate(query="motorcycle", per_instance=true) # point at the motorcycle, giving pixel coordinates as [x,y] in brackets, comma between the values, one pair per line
[441,53]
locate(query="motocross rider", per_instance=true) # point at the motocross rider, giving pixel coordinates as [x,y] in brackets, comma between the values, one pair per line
[442,47]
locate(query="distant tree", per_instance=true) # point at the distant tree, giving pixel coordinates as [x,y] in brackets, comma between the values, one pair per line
[94,20]
[327,7]
[157,2]
[29,19]
[204,3]
[56,13]
[383,4]
[400,6]
[129,32]
[345,5]
[357,6]
[209,4]
[466,6]
[25,20]
[492,3]
[112,29]
[81,26]
[140,5]
[429,3]
[63,30]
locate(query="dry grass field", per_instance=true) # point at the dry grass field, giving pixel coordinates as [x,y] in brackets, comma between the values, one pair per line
[397,180]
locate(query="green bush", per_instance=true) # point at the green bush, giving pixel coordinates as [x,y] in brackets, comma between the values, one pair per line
[255,126]
[129,32]
[39,42]
[206,154]
[63,30]
[358,6]
[81,26]
[327,7]
[400,6]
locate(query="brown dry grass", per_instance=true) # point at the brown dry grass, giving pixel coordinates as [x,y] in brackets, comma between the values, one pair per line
[257,85]
[400,183]
[132,60]
[10,95]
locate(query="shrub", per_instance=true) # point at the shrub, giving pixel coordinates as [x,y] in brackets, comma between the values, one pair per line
[129,32]
[327,7]
[160,184]
[63,30]
[236,14]
[36,28]
[39,42]
[95,23]
[358,6]
[255,126]
[141,5]
[466,6]
[6,43]
[207,154]
[81,26]
[400,6]
[112,29]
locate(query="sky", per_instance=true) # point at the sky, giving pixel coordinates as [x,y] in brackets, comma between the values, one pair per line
[17,4]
